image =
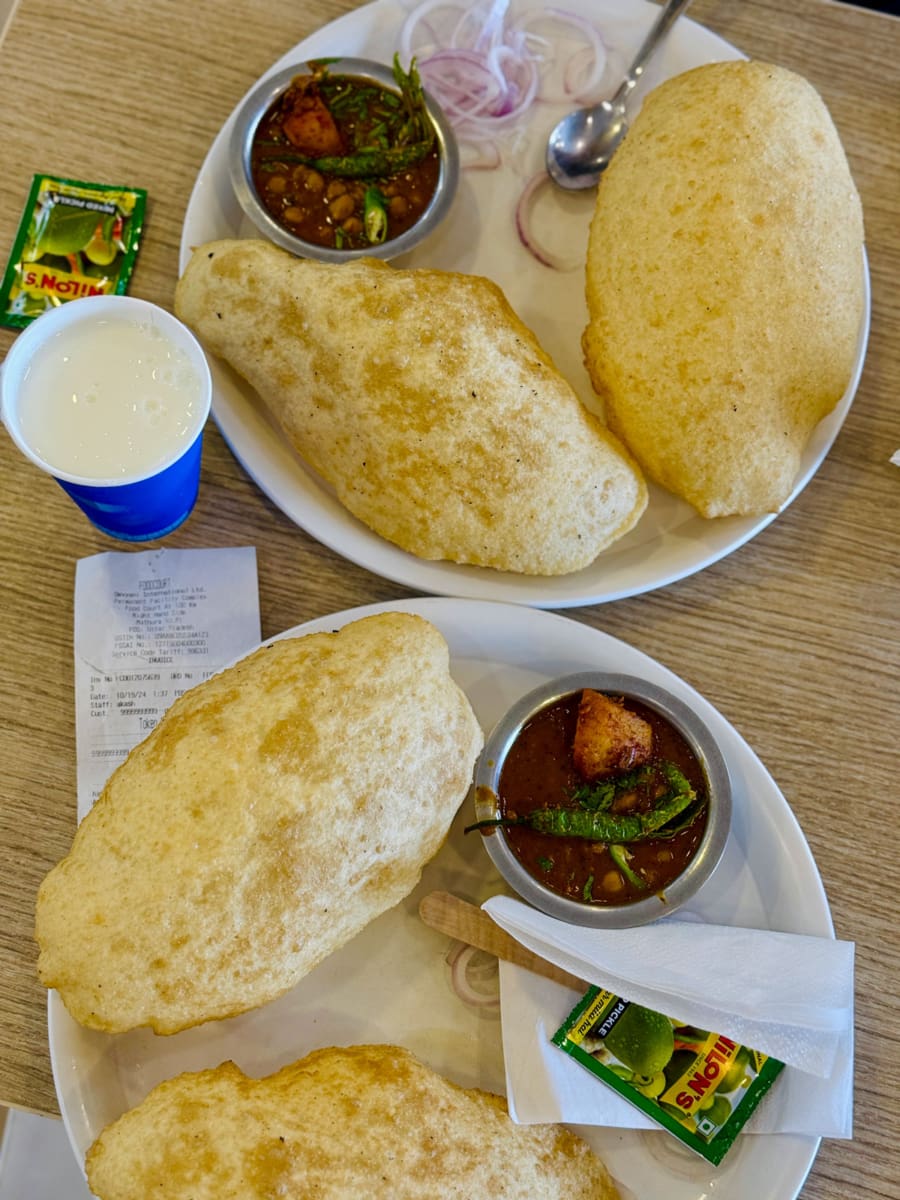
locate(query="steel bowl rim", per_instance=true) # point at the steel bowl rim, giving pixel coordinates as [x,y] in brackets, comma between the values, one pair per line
[699,737]
[250,113]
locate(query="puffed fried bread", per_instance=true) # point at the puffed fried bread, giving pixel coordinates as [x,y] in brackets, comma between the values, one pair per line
[424,402]
[366,1121]
[725,284]
[274,811]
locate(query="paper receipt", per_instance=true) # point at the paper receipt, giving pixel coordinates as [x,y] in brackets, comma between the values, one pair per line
[148,626]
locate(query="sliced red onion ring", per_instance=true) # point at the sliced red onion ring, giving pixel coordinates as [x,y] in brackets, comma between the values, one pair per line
[524,227]
[461,962]
[591,58]
[486,70]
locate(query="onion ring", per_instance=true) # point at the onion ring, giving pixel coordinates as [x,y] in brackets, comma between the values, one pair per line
[526,234]
[460,962]
[486,70]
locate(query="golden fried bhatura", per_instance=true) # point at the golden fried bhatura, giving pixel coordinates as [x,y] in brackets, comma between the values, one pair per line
[365,1121]
[725,283]
[275,810]
[423,400]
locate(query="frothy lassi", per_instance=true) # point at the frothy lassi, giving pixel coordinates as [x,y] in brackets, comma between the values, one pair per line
[110,399]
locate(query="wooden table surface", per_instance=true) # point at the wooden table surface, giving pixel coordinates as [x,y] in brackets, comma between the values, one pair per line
[793,637]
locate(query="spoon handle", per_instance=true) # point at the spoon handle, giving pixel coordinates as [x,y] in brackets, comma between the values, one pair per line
[468,923]
[668,15]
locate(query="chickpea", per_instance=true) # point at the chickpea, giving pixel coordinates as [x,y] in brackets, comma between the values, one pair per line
[352,225]
[336,187]
[315,182]
[341,207]
[294,214]
[278,184]
[398,206]
[612,882]
[299,174]
[664,856]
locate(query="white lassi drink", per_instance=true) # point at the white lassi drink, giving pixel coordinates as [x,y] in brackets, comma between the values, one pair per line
[110,398]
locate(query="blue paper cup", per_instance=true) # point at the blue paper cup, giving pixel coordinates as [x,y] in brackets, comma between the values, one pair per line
[144,504]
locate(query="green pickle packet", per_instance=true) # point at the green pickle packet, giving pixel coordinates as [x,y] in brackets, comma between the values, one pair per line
[75,239]
[699,1085]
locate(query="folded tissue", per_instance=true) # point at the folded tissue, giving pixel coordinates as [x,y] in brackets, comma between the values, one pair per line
[787,995]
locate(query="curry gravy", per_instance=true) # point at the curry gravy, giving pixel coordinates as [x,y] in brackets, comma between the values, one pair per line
[327,205]
[539,773]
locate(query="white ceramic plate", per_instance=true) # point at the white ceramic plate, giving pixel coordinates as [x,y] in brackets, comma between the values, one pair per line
[479,237]
[393,982]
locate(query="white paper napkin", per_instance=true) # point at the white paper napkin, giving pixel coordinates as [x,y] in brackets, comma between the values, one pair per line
[788,995]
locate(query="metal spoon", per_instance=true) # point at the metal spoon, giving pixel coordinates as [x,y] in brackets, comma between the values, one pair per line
[581,145]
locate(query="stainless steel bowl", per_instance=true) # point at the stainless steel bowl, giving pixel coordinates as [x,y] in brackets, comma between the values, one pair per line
[252,112]
[698,737]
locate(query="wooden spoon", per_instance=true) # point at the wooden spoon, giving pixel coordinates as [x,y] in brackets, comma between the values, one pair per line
[468,923]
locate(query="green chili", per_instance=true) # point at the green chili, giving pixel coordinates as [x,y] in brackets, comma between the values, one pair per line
[619,855]
[373,163]
[686,818]
[676,778]
[604,826]
[375,220]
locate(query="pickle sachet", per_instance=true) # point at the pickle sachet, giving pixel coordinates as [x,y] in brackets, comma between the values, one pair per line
[699,1085]
[75,239]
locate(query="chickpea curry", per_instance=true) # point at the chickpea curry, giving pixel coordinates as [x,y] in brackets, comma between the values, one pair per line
[343,162]
[601,799]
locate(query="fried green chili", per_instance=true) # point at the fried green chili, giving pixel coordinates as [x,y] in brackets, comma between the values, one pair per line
[601,825]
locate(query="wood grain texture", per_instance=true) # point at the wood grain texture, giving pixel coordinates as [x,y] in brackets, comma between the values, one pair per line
[793,637]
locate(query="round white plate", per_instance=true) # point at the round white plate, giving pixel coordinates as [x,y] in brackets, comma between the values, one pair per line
[392,983]
[479,237]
